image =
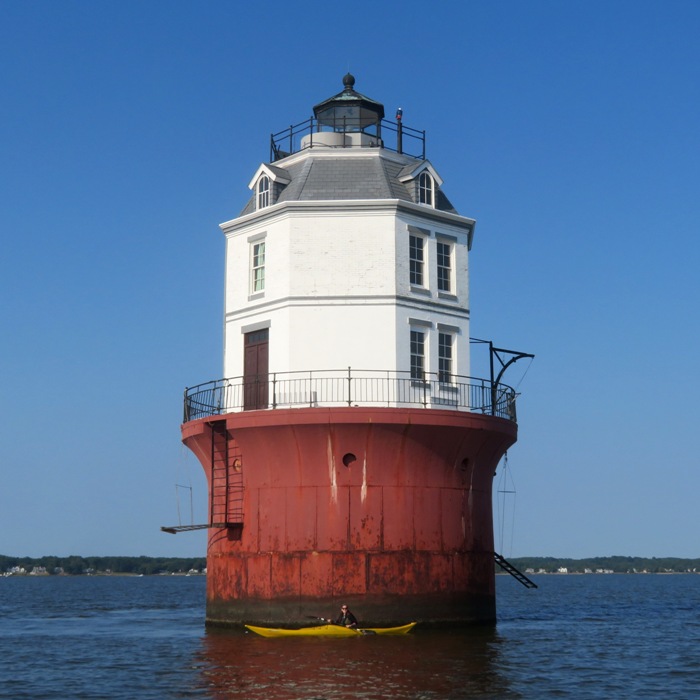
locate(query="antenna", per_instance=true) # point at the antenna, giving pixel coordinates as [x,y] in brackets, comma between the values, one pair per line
[399,133]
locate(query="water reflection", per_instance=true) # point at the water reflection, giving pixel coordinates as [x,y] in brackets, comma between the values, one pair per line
[424,664]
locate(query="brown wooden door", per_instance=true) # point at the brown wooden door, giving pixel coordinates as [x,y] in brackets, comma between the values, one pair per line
[255,369]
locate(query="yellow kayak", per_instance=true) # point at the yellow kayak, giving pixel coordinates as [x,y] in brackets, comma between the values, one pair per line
[329,631]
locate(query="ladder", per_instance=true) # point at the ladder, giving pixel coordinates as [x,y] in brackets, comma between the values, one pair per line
[515,573]
[226,480]
[225,484]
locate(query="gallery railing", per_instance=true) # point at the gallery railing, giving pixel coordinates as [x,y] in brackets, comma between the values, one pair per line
[348,387]
[394,136]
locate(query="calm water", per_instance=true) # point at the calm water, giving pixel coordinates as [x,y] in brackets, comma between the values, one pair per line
[594,636]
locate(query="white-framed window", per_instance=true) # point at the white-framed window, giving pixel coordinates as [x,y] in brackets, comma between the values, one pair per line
[445,351]
[426,189]
[257,266]
[263,192]
[444,266]
[417,355]
[416,257]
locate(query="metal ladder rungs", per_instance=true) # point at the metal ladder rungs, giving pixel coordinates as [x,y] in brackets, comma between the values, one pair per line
[515,573]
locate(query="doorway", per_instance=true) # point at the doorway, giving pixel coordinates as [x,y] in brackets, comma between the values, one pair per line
[255,369]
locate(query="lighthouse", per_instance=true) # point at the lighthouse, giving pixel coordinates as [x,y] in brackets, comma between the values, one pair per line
[348,452]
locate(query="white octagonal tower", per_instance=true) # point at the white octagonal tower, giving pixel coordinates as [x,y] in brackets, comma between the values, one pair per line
[348,255]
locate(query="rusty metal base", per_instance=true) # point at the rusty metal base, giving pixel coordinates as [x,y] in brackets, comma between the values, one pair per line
[387,509]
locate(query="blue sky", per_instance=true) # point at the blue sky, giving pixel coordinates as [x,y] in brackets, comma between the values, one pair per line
[568,130]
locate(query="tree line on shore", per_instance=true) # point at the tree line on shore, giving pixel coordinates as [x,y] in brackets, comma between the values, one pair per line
[614,564]
[77,565]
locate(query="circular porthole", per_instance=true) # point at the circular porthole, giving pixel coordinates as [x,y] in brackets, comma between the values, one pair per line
[349,458]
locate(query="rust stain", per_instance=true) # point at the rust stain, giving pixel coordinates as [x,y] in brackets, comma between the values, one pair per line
[363,489]
[332,475]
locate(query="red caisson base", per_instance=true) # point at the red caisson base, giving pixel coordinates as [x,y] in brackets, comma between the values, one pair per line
[386,509]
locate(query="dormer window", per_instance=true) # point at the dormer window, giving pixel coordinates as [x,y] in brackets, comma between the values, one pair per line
[426,189]
[422,183]
[263,192]
[267,185]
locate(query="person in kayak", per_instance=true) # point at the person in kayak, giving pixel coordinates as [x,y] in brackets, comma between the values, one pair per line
[346,618]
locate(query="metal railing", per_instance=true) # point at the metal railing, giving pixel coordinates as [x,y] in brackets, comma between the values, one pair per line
[393,136]
[348,387]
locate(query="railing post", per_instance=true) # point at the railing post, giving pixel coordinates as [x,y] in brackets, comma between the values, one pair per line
[349,387]
[186,408]
[425,391]
[274,390]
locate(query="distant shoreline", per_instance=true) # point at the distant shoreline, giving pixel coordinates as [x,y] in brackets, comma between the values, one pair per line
[606,565]
[97,574]
[181,566]
[102,566]
[603,573]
